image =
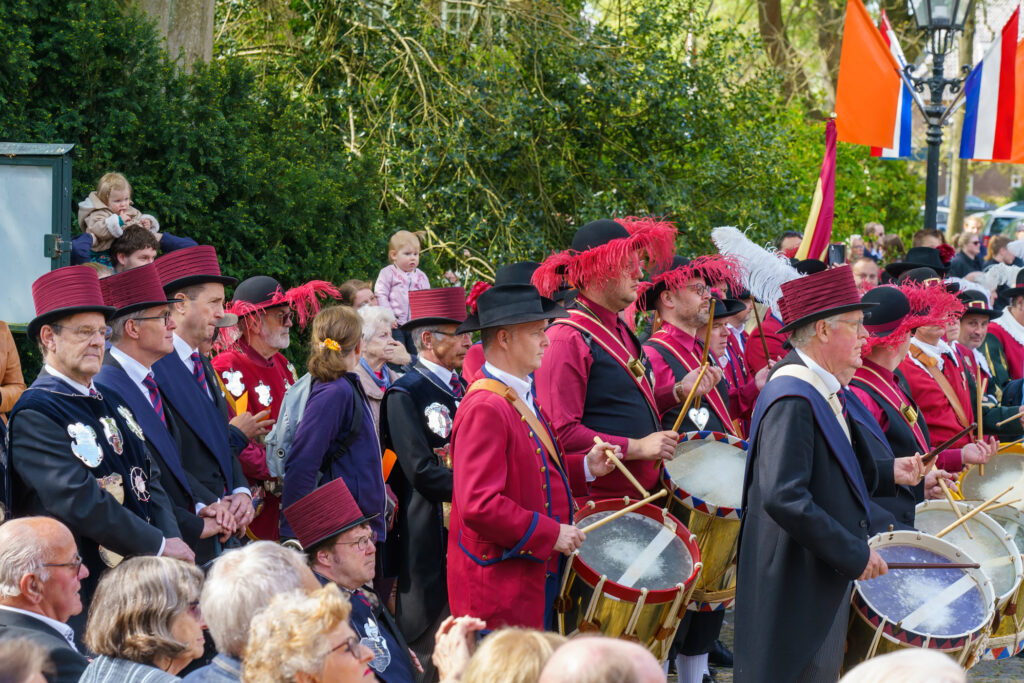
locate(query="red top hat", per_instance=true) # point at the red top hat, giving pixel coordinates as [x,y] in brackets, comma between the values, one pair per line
[819,295]
[440,306]
[327,511]
[63,292]
[135,289]
[191,266]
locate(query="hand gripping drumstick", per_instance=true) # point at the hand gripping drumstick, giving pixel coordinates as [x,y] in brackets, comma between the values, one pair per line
[626,510]
[934,453]
[954,506]
[972,513]
[689,398]
[622,468]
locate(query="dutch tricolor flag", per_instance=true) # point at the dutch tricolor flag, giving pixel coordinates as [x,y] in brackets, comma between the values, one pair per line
[989,100]
[900,148]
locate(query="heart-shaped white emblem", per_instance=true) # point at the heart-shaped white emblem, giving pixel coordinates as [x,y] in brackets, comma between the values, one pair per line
[699,417]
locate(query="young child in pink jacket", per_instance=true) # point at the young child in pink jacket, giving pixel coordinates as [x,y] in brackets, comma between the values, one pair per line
[401,277]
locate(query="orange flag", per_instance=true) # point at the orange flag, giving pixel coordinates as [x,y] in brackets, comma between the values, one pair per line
[868,90]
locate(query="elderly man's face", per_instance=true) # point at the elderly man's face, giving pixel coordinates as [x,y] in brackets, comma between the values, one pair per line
[276,327]
[61,599]
[843,346]
[351,562]
[450,348]
[74,345]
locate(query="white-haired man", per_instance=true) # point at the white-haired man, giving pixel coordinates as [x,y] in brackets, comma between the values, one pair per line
[239,585]
[40,579]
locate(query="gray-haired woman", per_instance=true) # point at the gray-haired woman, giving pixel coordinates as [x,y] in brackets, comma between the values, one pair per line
[144,622]
[379,349]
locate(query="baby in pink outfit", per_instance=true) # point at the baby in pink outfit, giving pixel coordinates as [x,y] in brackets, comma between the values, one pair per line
[403,275]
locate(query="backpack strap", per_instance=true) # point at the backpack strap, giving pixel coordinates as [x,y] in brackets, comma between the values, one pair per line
[353,432]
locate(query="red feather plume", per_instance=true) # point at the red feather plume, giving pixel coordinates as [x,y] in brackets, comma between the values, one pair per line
[474,294]
[711,269]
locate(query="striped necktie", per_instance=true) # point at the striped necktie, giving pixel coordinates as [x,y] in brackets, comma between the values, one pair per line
[456,386]
[154,396]
[197,372]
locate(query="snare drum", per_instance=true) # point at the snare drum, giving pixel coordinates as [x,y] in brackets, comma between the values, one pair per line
[631,578]
[705,479]
[1007,637]
[939,609]
[1001,470]
[991,545]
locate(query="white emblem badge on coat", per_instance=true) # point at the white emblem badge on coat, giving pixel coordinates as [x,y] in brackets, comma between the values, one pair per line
[439,419]
[113,434]
[263,394]
[233,382]
[699,417]
[129,419]
[375,641]
[84,444]
[138,478]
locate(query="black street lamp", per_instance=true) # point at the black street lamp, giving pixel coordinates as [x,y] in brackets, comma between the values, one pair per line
[941,20]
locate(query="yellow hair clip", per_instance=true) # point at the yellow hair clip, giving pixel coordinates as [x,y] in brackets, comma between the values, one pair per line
[330,344]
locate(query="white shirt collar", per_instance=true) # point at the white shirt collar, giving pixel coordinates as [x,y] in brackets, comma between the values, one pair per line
[938,352]
[135,370]
[60,627]
[980,359]
[524,388]
[80,388]
[831,383]
[184,351]
[441,372]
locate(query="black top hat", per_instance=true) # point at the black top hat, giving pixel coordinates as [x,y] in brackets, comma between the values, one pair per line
[892,306]
[515,273]
[1011,292]
[925,276]
[597,233]
[725,308]
[510,305]
[976,303]
[916,257]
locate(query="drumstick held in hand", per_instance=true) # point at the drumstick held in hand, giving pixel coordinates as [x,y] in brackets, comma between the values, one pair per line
[981,437]
[707,335]
[934,453]
[689,398]
[621,466]
[972,513]
[933,565]
[760,333]
[626,510]
[1015,416]
[954,506]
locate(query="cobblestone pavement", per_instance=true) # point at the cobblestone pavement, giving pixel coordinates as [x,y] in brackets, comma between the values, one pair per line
[984,672]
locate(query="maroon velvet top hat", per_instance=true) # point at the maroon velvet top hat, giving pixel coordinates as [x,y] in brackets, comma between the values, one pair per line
[819,295]
[64,292]
[327,511]
[135,289]
[440,306]
[191,266]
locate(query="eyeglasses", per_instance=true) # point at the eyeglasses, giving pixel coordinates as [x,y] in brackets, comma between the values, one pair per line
[351,645]
[74,564]
[283,315]
[364,543]
[81,334]
[165,317]
[855,324]
[452,334]
[699,288]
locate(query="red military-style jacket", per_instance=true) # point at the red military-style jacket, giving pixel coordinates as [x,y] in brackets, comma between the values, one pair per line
[754,352]
[510,496]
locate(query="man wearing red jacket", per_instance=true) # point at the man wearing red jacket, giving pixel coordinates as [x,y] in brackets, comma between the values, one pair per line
[255,375]
[1009,329]
[512,502]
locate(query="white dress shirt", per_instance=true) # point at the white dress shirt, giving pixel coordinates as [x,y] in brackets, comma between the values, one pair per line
[60,627]
[135,370]
[443,374]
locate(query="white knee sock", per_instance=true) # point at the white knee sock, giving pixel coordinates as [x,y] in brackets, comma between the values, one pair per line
[691,669]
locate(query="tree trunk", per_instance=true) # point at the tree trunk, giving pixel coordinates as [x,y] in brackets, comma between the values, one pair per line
[186,26]
[959,173]
[779,51]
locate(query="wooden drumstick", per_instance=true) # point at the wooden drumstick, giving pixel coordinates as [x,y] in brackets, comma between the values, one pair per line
[626,510]
[981,437]
[760,333]
[1002,505]
[933,565]
[1011,443]
[934,453]
[972,513]
[707,334]
[954,506]
[689,398]
[1010,419]
[622,468]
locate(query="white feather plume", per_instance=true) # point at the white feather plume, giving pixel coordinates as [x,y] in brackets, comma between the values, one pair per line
[764,271]
[1000,275]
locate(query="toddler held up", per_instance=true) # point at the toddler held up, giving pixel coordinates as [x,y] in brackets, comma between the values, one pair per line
[108,211]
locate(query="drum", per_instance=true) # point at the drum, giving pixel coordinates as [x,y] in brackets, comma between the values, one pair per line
[991,545]
[631,578]
[705,480]
[1007,637]
[939,609]
[1002,470]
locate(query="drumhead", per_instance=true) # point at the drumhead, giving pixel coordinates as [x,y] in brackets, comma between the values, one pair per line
[636,551]
[1012,520]
[1001,471]
[710,466]
[991,545]
[940,603]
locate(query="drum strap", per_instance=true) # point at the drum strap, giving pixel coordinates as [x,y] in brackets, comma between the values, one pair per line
[535,425]
[940,379]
